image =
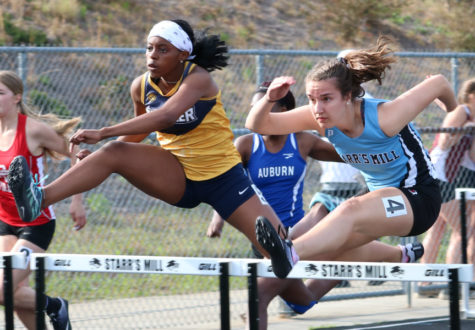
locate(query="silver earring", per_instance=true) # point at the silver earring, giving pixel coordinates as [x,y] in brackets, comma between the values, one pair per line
[181,61]
[348,102]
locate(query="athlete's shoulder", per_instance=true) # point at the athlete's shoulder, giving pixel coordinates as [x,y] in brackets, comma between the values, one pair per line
[373,101]
[308,138]
[308,135]
[36,128]
[244,145]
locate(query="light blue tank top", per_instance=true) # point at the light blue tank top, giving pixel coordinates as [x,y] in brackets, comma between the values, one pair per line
[280,177]
[399,161]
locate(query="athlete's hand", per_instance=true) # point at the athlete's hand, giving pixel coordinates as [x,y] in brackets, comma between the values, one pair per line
[89,136]
[77,212]
[215,227]
[279,87]
[83,153]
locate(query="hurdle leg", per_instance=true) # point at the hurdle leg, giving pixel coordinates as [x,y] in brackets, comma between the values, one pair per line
[253,297]
[224,295]
[8,292]
[454,299]
[463,226]
[40,293]
[464,194]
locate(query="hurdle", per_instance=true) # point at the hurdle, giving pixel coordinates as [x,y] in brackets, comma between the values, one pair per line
[10,261]
[253,268]
[464,194]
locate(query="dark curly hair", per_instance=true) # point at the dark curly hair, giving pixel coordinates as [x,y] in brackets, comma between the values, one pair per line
[209,50]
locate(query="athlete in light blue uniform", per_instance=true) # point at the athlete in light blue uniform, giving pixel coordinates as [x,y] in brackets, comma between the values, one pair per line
[374,136]
[397,161]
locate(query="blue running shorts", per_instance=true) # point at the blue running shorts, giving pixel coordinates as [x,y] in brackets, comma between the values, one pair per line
[300,309]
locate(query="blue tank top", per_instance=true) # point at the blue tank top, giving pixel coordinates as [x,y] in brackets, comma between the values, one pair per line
[280,177]
[398,161]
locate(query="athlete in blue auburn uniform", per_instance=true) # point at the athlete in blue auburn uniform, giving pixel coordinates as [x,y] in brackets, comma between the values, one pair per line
[280,177]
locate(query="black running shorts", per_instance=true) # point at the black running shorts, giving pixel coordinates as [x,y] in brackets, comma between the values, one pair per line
[425,202]
[225,193]
[40,235]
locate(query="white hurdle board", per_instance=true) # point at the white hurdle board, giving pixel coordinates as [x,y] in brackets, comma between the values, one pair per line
[19,260]
[371,271]
[367,271]
[139,264]
[238,267]
[469,193]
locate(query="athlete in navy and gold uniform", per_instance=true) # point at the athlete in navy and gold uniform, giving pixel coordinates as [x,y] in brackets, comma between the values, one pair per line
[201,138]
[196,161]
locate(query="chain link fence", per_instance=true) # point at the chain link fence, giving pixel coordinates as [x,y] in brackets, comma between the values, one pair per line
[94,84]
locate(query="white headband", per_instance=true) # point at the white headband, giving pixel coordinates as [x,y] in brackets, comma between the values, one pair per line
[174,34]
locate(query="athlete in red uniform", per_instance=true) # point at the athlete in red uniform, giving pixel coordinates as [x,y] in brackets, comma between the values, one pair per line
[23,133]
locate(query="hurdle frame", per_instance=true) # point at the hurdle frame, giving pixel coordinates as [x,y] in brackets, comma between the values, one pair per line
[464,194]
[10,261]
[253,268]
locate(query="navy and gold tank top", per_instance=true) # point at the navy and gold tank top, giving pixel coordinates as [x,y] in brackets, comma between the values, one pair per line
[201,138]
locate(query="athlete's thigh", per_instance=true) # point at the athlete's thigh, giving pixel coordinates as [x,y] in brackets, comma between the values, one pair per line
[244,218]
[7,242]
[316,213]
[383,212]
[153,170]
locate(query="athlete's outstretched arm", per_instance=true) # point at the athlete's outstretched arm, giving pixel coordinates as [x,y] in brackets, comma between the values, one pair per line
[263,121]
[196,85]
[395,115]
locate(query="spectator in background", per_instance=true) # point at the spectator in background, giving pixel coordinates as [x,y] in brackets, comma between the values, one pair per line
[34,136]
[453,155]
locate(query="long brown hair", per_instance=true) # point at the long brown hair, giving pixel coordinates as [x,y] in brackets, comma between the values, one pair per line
[356,68]
[61,126]
[468,87]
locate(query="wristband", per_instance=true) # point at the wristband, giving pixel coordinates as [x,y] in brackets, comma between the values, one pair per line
[269,100]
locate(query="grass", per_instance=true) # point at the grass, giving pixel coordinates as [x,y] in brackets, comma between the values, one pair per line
[256,24]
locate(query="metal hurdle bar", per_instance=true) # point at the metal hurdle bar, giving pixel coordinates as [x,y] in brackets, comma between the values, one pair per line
[10,261]
[252,268]
[464,194]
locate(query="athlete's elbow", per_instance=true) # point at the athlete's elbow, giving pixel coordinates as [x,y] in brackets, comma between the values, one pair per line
[250,124]
[166,121]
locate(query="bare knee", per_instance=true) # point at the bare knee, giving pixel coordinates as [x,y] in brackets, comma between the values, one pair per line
[348,211]
[111,152]
[113,147]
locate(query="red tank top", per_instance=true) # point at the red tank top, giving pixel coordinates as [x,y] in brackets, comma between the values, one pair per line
[8,211]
